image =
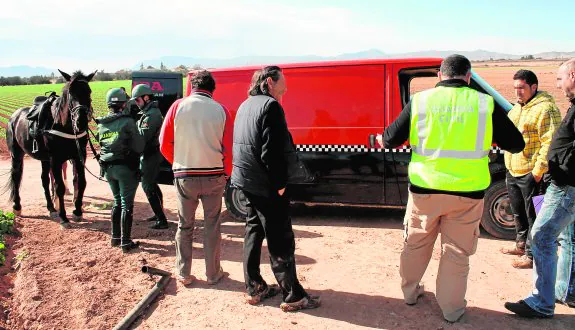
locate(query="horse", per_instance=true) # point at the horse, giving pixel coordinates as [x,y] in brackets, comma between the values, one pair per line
[66,139]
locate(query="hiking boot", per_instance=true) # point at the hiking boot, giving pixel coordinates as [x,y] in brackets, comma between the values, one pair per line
[308,302]
[420,291]
[221,274]
[515,251]
[186,281]
[523,263]
[268,292]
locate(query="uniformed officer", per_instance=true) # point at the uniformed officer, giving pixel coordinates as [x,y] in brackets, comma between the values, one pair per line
[121,146]
[149,126]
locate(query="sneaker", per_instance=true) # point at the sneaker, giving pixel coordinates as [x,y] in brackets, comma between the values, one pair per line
[221,274]
[185,281]
[420,291]
[523,263]
[268,292]
[304,303]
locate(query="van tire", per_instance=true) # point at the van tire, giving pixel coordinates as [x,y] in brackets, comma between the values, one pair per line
[235,203]
[497,218]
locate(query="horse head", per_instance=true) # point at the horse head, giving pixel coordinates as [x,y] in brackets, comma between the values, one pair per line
[76,102]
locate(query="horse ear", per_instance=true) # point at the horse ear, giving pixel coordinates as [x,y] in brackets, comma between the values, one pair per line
[65,75]
[91,75]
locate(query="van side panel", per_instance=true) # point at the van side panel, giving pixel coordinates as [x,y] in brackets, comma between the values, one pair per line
[338,105]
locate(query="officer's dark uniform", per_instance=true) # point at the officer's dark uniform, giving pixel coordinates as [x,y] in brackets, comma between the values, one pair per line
[121,146]
[149,126]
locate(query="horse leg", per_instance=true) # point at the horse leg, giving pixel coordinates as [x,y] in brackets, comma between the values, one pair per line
[17,155]
[56,165]
[79,188]
[46,185]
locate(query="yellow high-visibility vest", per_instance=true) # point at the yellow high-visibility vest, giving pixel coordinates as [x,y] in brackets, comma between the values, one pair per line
[450,136]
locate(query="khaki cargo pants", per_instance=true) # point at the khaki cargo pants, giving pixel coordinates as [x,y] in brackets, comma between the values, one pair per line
[190,191]
[457,219]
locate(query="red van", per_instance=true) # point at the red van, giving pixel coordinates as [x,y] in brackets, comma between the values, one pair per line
[334,110]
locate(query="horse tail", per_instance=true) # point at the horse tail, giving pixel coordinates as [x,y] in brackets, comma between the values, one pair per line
[17,155]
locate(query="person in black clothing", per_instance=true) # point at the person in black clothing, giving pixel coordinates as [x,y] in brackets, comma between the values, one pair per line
[557,211]
[262,157]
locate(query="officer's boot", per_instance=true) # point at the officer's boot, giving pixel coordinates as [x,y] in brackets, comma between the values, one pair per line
[154,217]
[156,204]
[116,225]
[127,243]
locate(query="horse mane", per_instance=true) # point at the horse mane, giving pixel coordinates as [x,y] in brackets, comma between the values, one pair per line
[60,108]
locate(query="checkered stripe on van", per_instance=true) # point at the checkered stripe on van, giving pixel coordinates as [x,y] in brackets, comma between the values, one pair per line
[345,148]
[361,148]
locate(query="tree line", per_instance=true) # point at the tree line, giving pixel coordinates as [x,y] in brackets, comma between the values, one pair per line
[101,75]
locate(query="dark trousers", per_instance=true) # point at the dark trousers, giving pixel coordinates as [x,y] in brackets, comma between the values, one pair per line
[269,218]
[521,191]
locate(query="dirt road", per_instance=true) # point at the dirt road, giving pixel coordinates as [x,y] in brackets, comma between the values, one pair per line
[72,279]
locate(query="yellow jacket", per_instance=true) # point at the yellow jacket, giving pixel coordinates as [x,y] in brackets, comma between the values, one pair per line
[537,121]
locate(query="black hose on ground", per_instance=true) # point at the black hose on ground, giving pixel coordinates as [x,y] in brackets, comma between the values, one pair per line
[148,299]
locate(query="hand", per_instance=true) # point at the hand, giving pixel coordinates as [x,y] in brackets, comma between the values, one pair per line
[536,177]
[379,139]
[281,191]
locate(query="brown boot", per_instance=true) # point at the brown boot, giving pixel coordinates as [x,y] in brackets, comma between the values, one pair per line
[518,249]
[523,263]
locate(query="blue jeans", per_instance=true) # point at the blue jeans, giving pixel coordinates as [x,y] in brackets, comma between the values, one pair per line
[565,285]
[556,214]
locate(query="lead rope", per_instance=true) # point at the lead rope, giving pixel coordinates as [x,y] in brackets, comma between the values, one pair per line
[82,160]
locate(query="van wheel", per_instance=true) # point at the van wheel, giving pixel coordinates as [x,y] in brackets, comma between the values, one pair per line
[497,217]
[236,202]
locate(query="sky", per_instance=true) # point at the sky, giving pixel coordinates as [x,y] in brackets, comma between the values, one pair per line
[111,35]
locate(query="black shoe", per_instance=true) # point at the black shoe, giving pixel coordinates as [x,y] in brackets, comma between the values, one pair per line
[126,247]
[152,218]
[522,309]
[115,242]
[160,225]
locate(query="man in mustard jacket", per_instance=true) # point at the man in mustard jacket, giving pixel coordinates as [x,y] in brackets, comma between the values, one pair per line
[536,116]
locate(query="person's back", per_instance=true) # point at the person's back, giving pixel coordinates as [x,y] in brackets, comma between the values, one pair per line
[118,137]
[453,128]
[251,173]
[198,132]
[450,129]
[196,139]
[121,145]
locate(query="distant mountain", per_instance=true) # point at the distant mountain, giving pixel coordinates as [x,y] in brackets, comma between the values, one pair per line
[476,55]
[25,71]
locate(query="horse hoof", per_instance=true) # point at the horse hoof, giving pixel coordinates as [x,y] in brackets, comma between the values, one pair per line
[77,218]
[17,213]
[54,215]
[65,225]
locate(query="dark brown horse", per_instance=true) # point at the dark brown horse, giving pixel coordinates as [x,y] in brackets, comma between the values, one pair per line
[64,139]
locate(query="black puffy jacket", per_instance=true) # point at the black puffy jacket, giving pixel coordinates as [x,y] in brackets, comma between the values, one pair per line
[263,149]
